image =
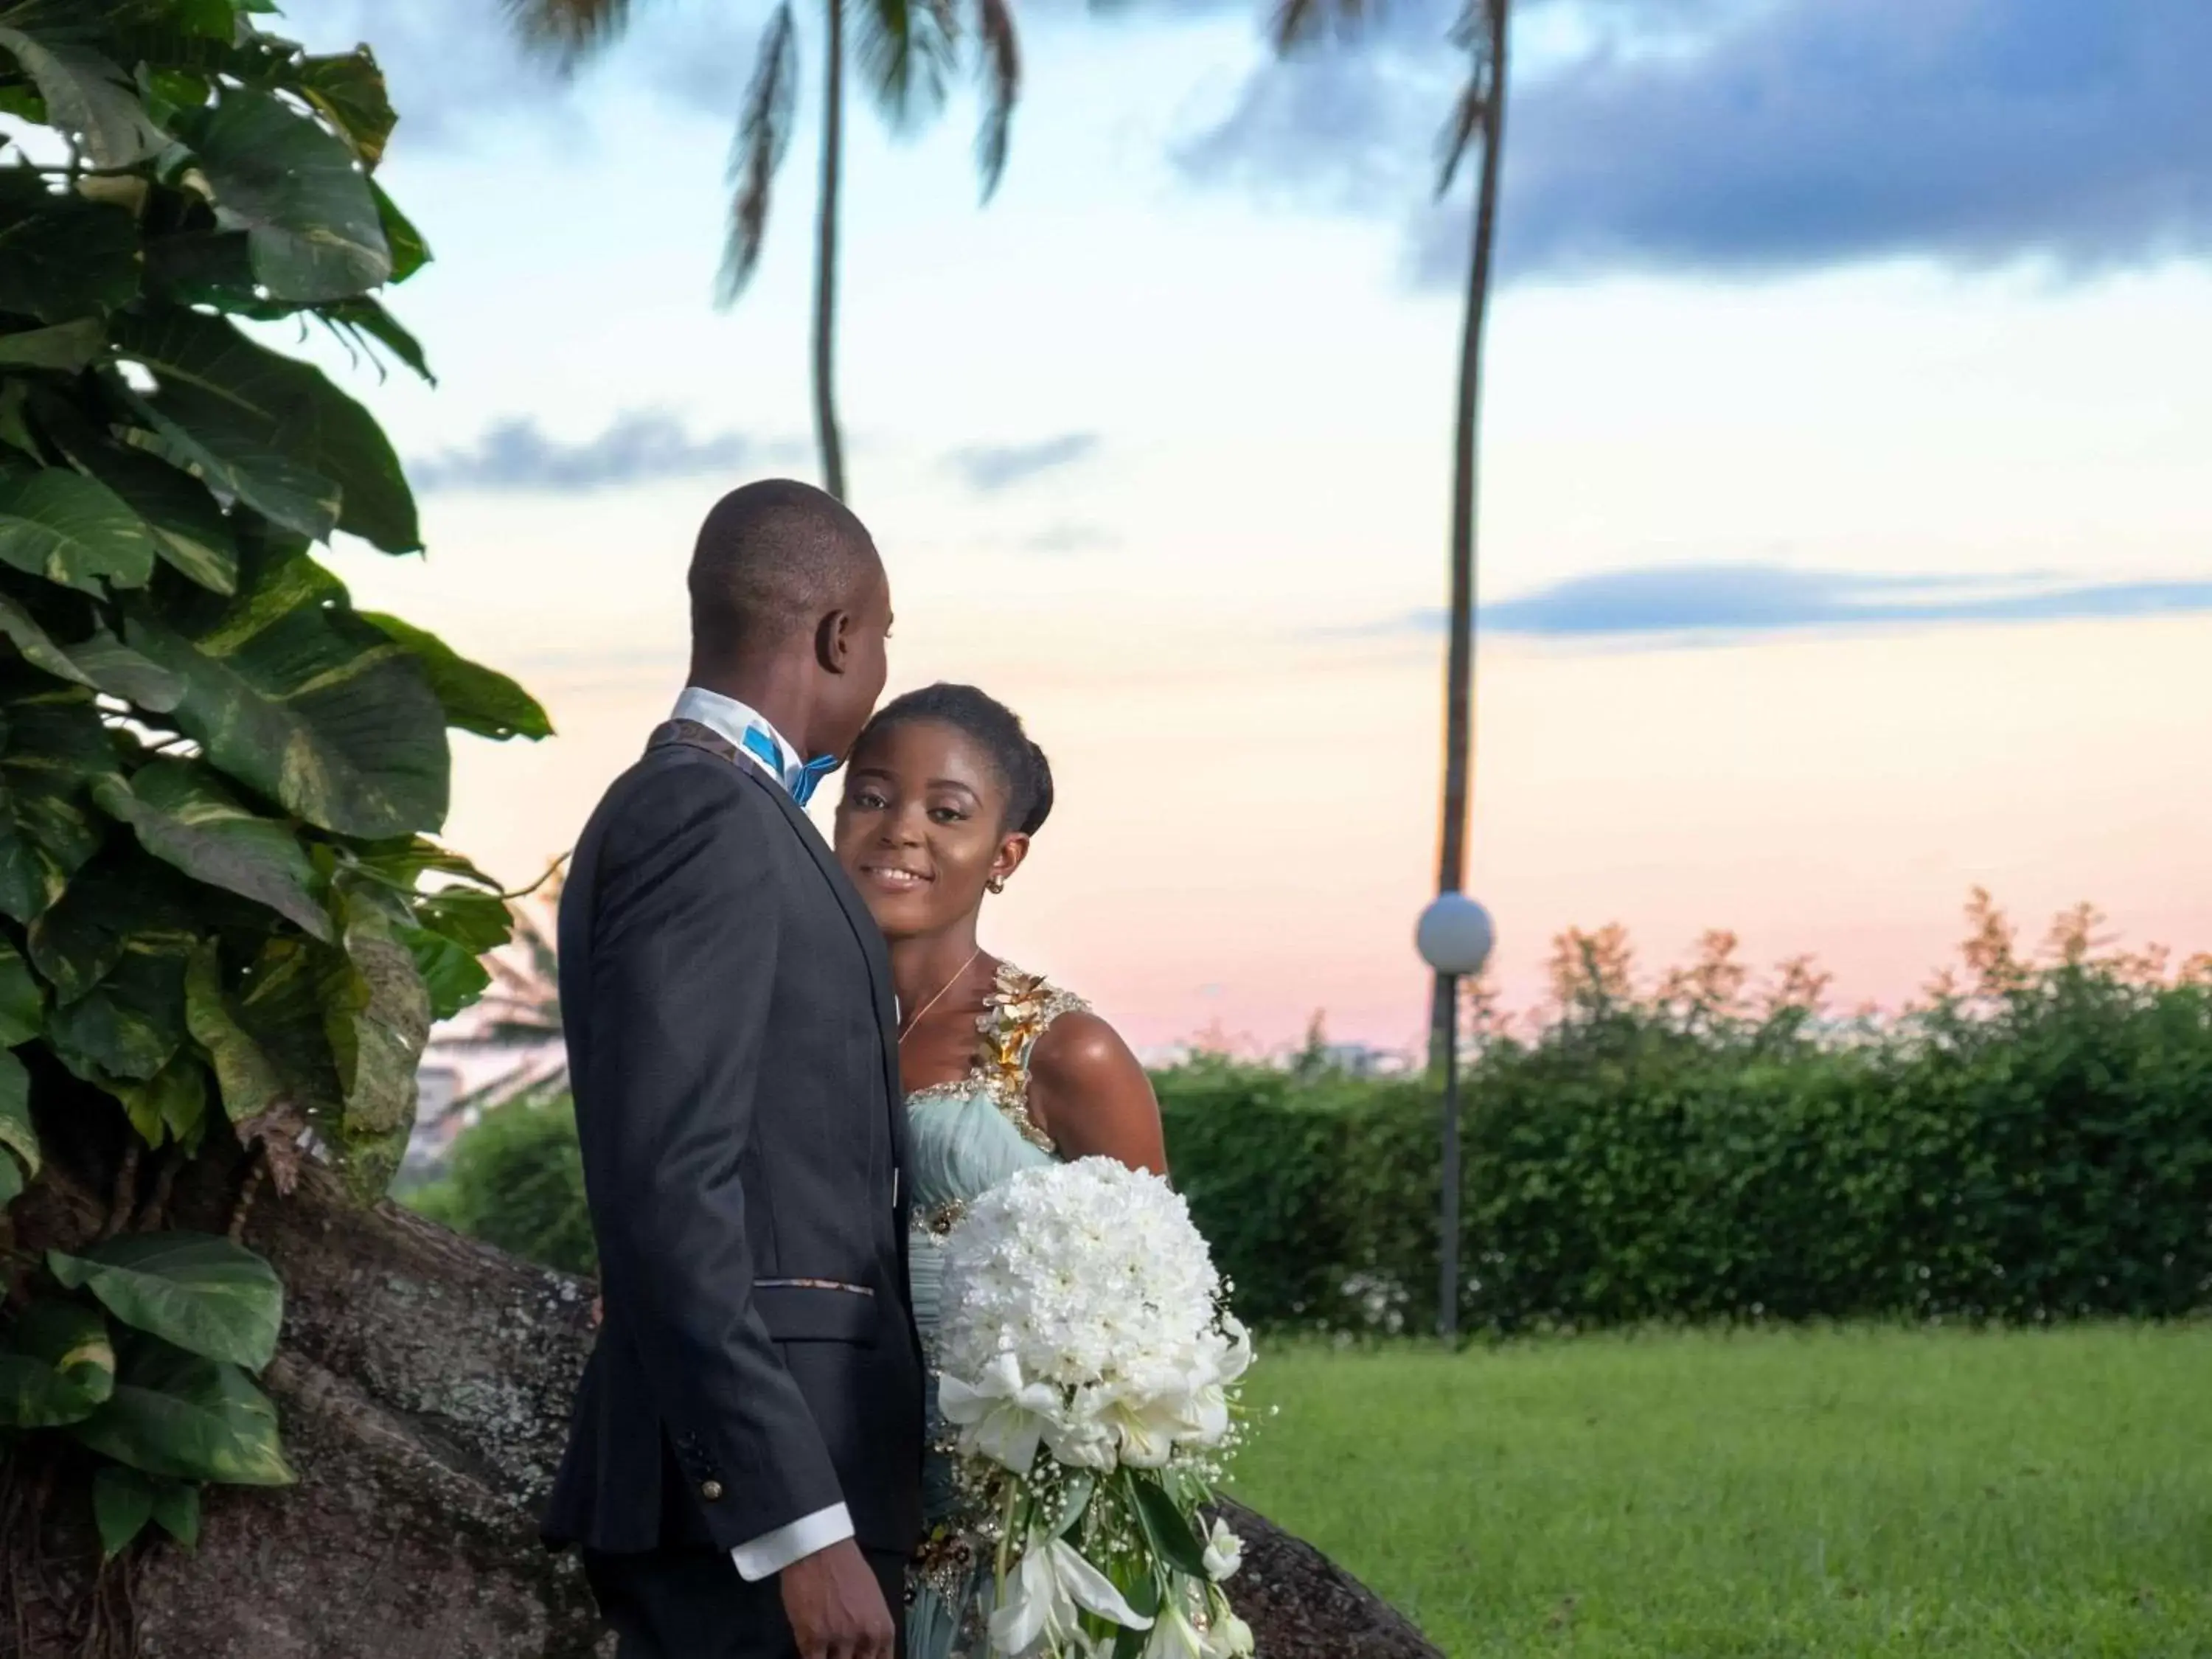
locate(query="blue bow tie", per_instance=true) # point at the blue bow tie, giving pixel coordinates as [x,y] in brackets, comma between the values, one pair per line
[801,779]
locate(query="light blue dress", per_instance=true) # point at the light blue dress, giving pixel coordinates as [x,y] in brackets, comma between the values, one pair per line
[963,1138]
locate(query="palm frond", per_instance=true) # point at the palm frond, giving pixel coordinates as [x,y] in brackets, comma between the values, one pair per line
[1002,85]
[1300,23]
[763,135]
[1460,132]
[567,31]
[906,51]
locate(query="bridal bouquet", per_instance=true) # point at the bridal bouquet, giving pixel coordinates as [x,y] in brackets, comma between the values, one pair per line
[1088,1362]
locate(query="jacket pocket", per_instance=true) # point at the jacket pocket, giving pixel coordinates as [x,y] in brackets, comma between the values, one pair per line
[817,1310]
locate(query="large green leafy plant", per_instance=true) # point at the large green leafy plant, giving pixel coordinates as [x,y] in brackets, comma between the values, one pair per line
[220,906]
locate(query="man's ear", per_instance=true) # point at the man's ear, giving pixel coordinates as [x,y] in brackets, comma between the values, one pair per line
[833,641]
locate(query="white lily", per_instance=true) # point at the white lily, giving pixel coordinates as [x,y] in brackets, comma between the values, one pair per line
[998,1416]
[1145,1429]
[1228,1637]
[1049,1587]
[1176,1637]
[1225,1552]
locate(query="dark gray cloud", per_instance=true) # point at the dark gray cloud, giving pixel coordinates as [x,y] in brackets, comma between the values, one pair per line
[990,468]
[1794,135]
[1749,599]
[636,449]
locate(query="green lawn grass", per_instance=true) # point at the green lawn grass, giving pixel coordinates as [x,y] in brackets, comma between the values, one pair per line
[2042,1493]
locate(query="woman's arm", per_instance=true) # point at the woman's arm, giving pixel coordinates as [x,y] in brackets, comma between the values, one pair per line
[1088,1092]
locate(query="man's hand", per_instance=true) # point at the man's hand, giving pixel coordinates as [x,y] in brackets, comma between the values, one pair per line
[836,1606]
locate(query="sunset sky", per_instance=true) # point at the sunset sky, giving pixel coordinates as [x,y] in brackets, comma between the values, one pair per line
[1845,537]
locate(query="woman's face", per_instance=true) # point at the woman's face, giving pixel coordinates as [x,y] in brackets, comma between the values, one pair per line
[921,830]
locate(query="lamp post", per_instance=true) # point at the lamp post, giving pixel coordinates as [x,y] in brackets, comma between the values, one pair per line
[1454,936]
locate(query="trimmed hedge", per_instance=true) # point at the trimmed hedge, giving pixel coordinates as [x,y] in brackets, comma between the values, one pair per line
[2037,1147]
[2043,1154]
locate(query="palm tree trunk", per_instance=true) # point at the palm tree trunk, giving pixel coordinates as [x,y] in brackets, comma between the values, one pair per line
[1459,672]
[827,438]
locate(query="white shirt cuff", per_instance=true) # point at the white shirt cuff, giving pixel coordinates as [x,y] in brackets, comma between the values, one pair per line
[767,1556]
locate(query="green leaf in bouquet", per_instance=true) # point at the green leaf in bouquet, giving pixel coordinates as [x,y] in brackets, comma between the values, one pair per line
[290,693]
[183,817]
[270,430]
[177,1512]
[72,530]
[203,1294]
[61,256]
[17,1133]
[1166,1528]
[299,192]
[187,1417]
[348,88]
[50,747]
[475,698]
[57,1366]
[1069,1500]
[122,1504]
[64,348]
[88,94]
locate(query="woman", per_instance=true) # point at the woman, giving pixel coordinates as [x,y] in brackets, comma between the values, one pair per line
[1003,1070]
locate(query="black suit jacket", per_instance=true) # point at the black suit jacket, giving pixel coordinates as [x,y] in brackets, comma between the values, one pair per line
[733,1051]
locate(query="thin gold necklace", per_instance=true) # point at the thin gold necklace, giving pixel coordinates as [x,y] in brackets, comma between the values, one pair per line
[958,974]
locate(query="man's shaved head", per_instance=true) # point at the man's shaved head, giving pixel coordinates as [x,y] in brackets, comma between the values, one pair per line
[772,560]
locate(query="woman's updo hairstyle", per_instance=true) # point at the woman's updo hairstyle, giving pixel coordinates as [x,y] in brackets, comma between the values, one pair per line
[1020,764]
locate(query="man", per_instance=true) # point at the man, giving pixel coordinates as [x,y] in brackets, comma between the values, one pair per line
[744,1470]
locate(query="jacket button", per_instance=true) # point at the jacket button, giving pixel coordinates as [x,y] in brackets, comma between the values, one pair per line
[710,1490]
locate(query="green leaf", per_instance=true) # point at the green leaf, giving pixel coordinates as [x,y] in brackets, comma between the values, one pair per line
[122,902]
[17,1133]
[186,818]
[190,534]
[410,252]
[53,746]
[290,692]
[61,256]
[172,1104]
[122,1504]
[87,96]
[452,974]
[11,1180]
[198,1292]
[1165,1526]
[102,662]
[73,530]
[177,1512]
[177,1415]
[300,194]
[57,1366]
[22,1000]
[347,88]
[247,1077]
[270,431]
[66,347]
[475,698]
[376,1017]
[367,317]
[126,1029]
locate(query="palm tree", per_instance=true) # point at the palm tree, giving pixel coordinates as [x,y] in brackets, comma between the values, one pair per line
[1480,119]
[907,49]
[521,1010]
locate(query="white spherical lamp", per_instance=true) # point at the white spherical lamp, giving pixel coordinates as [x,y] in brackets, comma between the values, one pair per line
[1455,935]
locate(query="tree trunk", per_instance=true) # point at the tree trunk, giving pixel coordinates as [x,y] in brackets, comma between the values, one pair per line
[424,1381]
[827,438]
[1459,669]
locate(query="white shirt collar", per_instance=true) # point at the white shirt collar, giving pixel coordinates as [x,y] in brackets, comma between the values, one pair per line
[728,718]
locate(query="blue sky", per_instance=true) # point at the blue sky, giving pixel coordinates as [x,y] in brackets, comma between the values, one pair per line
[1852,361]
